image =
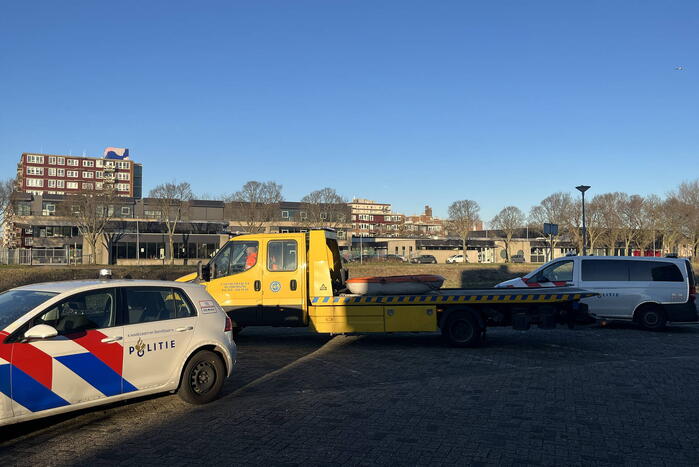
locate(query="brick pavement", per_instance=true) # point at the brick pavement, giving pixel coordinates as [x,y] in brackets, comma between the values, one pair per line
[593,396]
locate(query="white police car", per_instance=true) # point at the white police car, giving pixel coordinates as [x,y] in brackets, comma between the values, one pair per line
[76,344]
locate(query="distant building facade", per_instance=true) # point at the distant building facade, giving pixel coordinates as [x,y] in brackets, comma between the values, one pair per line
[52,174]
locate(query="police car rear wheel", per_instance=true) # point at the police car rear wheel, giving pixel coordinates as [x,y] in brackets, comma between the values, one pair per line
[202,378]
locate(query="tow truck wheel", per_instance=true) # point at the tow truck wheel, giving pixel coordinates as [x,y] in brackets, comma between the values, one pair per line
[652,318]
[463,330]
[202,378]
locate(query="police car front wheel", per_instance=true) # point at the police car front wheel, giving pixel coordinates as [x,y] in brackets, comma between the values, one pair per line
[202,378]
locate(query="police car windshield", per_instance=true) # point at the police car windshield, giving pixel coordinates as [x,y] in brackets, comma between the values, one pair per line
[15,303]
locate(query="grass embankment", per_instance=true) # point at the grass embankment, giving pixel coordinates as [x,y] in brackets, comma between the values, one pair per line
[456,275]
[469,275]
[15,276]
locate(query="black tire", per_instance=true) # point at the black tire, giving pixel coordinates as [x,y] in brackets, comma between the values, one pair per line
[651,318]
[202,378]
[462,329]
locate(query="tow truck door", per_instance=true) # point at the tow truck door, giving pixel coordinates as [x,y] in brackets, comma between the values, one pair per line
[236,281]
[284,281]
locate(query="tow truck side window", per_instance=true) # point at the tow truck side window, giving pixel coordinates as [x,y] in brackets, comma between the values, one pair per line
[88,310]
[233,258]
[282,255]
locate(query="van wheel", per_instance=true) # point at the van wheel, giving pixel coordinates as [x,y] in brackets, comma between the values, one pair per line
[463,330]
[202,378]
[652,318]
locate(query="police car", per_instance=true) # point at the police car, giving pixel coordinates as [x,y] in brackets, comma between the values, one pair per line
[70,345]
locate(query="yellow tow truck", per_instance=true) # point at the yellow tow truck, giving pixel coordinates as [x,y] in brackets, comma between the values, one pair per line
[298,279]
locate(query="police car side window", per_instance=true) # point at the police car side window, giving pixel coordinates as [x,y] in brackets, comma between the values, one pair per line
[81,312]
[148,304]
[559,272]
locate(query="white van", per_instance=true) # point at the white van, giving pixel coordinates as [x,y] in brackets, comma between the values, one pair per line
[650,291]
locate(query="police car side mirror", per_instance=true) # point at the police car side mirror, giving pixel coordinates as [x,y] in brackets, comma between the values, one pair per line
[41,331]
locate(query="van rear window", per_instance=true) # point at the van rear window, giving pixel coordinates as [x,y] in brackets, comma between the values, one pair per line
[664,272]
[619,270]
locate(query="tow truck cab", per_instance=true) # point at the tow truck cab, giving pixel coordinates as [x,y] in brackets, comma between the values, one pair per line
[266,279]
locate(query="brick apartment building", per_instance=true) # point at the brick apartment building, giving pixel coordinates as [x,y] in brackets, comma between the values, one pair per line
[40,174]
[370,218]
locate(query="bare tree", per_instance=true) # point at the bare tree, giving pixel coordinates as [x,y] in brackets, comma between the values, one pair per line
[91,210]
[648,223]
[607,218]
[554,209]
[171,198]
[510,219]
[6,190]
[688,195]
[631,210]
[114,232]
[672,219]
[256,204]
[324,208]
[463,216]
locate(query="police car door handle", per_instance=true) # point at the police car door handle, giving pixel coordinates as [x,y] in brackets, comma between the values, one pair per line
[187,328]
[258,286]
[108,340]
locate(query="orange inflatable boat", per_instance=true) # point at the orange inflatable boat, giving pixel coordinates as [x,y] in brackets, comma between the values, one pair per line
[395,285]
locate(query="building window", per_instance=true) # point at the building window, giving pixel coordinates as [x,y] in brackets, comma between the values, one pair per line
[323,215]
[72,173]
[303,215]
[123,165]
[72,185]
[99,174]
[152,214]
[24,209]
[88,174]
[60,183]
[52,160]
[73,162]
[35,170]
[52,171]
[61,172]
[60,161]
[33,159]
[122,187]
[285,214]
[35,182]
[48,209]
[100,163]
[88,163]
[109,164]
[126,210]
[51,183]
[88,186]
[123,176]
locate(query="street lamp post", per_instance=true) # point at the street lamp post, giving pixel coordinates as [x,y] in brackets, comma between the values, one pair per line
[582,189]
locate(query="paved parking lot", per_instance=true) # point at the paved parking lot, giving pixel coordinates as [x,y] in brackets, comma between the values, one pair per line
[593,396]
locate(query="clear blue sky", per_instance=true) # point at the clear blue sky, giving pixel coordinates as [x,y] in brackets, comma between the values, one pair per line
[407,102]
